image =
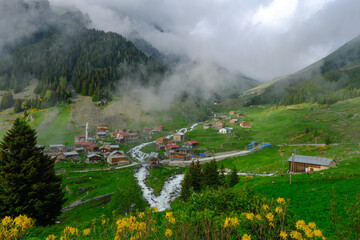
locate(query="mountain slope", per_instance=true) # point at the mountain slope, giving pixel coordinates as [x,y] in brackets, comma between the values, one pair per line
[333,78]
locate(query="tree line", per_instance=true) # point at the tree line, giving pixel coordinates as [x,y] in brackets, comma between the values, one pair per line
[198,178]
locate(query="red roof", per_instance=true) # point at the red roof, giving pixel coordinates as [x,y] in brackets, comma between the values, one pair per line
[120,129]
[81,135]
[123,134]
[83,143]
[193,142]
[172,146]
[94,145]
[102,127]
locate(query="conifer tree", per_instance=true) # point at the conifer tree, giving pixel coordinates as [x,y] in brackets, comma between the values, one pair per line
[210,174]
[192,180]
[18,106]
[233,178]
[27,177]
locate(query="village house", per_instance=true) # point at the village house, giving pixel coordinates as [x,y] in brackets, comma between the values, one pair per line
[80,138]
[79,150]
[121,130]
[93,158]
[117,157]
[114,134]
[92,140]
[102,129]
[120,140]
[113,147]
[123,135]
[191,144]
[133,136]
[245,124]
[207,125]
[147,130]
[240,115]
[57,148]
[233,121]
[218,125]
[161,143]
[154,161]
[179,137]
[88,146]
[73,156]
[159,128]
[101,135]
[182,154]
[224,130]
[103,149]
[301,163]
[231,113]
[94,147]
[170,149]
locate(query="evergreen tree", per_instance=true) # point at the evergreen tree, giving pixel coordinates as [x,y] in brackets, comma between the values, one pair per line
[233,178]
[27,177]
[192,180]
[210,174]
[7,100]
[17,106]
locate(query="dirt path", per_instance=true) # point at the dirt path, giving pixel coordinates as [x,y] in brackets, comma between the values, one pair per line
[51,116]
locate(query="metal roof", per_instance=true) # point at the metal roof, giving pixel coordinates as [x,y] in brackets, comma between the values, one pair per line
[71,153]
[184,149]
[311,160]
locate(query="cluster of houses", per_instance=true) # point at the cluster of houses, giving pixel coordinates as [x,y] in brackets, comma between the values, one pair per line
[220,125]
[173,150]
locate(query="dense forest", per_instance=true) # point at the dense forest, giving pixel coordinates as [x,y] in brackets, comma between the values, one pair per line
[90,61]
[332,79]
[64,55]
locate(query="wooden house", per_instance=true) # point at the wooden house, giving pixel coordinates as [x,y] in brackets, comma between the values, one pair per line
[154,161]
[80,138]
[120,140]
[245,124]
[170,148]
[159,128]
[57,148]
[233,121]
[102,129]
[191,144]
[218,125]
[103,149]
[301,163]
[161,143]
[93,158]
[79,150]
[207,125]
[121,130]
[182,154]
[106,144]
[101,135]
[231,113]
[117,157]
[113,147]
[92,140]
[179,137]
[73,156]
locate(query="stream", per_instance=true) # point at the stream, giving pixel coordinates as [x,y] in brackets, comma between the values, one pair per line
[172,186]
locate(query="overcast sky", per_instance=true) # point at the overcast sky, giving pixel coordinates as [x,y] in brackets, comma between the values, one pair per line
[263,39]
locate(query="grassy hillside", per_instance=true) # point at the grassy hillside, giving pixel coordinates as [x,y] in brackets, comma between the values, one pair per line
[331,79]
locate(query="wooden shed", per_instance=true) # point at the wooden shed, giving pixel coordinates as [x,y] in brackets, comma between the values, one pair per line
[301,163]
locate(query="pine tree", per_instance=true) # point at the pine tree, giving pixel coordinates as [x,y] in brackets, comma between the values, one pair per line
[18,106]
[210,175]
[192,180]
[233,178]
[27,177]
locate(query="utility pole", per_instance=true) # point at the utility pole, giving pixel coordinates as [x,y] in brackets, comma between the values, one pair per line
[292,165]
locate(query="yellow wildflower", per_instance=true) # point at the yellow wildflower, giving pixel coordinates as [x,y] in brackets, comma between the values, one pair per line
[317,233]
[300,224]
[258,217]
[279,210]
[323,238]
[169,214]
[271,224]
[168,233]
[283,235]
[154,209]
[6,221]
[51,237]
[270,216]
[249,216]
[281,200]
[297,235]
[246,237]
[312,225]
[132,238]
[153,229]
[265,207]
[229,222]
[171,220]
[141,214]
[86,231]
[103,222]
[308,232]
[14,232]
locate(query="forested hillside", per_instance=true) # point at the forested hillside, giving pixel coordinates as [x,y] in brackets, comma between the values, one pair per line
[63,53]
[332,79]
